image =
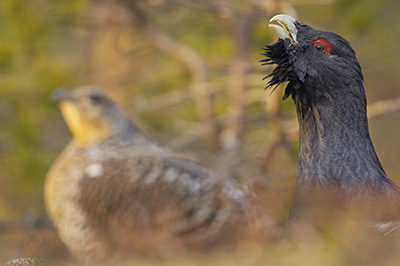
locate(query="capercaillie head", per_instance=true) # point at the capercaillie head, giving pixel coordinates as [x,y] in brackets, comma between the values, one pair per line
[316,64]
[90,115]
[337,160]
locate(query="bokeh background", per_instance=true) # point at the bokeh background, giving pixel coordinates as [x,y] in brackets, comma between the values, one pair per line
[187,72]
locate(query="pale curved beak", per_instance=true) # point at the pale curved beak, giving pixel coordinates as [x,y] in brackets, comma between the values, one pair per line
[284,27]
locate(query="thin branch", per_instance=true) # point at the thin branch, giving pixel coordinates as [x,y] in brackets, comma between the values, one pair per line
[383,107]
[165,44]
[239,28]
[375,109]
[272,108]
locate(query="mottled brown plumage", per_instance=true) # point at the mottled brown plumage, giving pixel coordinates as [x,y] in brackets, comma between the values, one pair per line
[34,262]
[114,189]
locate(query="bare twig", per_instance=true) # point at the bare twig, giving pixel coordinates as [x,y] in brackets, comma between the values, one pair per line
[165,44]
[109,66]
[383,107]
[239,28]
[272,107]
[375,109]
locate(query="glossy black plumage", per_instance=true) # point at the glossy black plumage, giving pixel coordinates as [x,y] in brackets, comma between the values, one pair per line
[336,152]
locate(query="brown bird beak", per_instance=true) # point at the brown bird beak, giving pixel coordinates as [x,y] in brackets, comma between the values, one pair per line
[60,94]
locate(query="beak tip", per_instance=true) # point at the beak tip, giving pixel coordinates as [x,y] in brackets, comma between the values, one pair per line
[284,26]
[59,94]
[283,18]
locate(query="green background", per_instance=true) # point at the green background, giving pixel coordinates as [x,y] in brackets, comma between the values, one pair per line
[49,44]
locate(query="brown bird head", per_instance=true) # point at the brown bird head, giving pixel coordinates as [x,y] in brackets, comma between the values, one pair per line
[90,115]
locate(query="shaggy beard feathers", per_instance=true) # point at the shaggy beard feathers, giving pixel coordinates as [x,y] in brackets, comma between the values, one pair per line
[278,53]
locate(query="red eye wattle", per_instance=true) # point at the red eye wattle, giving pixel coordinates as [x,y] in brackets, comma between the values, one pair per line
[322,46]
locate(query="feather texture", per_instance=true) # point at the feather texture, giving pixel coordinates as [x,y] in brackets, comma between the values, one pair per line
[122,192]
[336,155]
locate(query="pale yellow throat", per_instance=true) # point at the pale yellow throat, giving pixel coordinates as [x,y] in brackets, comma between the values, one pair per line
[84,131]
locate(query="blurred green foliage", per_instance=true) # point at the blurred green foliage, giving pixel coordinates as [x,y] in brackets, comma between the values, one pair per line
[46,44]
[31,65]
[50,44]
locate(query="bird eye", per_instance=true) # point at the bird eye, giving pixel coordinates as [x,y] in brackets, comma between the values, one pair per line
[95,98]
[320,47]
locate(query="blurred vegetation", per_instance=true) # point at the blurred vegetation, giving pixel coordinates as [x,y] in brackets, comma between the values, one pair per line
[188,73]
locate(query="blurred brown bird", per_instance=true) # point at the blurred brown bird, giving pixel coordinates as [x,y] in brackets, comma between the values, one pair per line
[34,262]
[114,189]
